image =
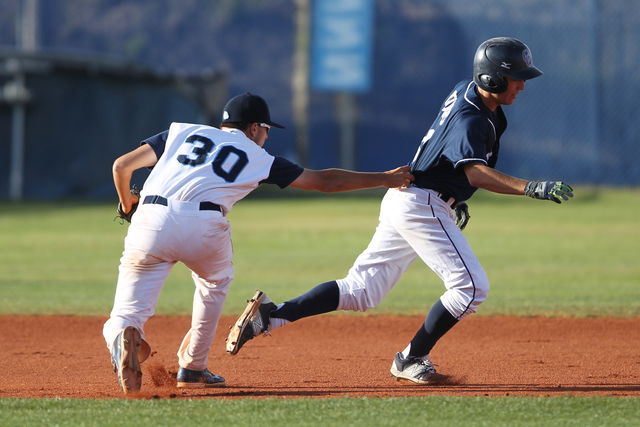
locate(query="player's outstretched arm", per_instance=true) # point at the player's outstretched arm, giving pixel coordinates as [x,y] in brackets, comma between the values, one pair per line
[336,180]
[481,176]
[123,168]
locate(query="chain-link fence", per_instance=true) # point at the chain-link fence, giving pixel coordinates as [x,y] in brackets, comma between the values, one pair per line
[579,122]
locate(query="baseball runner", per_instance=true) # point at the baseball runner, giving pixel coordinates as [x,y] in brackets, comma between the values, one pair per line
[455,158]
[198,173]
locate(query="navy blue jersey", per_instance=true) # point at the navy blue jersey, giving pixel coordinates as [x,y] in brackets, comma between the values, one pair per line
[464,131]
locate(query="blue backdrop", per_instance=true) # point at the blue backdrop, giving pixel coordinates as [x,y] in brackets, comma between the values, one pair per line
[578,122]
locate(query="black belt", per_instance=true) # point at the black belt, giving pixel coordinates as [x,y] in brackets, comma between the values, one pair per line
[159,200]
[448,200]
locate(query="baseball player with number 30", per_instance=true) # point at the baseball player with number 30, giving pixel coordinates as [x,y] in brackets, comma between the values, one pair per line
[198,173]
[455,158]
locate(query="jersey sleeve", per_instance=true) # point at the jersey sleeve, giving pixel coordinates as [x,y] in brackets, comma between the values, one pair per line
[157,142]
[472,142]
[283,172]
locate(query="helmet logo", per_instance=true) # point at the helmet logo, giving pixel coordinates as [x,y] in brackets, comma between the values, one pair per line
[225,115]
[528,59]
[506,65]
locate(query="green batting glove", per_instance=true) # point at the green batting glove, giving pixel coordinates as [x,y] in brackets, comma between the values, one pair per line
[462,215]
[548,190]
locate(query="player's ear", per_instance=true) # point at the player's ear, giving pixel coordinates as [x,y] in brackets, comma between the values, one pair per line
[252,132]
[253,129]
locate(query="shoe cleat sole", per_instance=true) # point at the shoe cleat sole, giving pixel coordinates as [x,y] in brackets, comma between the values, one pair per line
[435,379]
[130,374]
[201,385]
[253,305]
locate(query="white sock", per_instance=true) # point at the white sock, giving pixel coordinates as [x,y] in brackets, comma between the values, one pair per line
[276,322]
[405,353]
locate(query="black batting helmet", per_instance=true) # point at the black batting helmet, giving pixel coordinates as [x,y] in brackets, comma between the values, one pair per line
[502,57]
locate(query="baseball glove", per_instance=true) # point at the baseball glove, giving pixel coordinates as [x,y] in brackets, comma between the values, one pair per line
[462,215]
[127,216]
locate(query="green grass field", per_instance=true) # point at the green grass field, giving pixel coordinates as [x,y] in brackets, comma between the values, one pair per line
[428,411]
[577,259]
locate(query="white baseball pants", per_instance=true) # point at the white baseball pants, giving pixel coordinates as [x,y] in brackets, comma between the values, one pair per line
[158,237]
[415,223]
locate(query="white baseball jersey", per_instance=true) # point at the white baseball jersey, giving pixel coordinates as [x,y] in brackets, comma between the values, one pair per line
[202,163]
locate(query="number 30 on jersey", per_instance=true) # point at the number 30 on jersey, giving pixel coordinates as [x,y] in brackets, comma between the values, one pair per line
[228,162]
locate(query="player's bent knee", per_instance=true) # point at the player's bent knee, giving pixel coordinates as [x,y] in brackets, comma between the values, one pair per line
[464,300]
[481,294]
[481,289]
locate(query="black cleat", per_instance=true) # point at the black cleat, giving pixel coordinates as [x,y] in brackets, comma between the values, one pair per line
[198,379]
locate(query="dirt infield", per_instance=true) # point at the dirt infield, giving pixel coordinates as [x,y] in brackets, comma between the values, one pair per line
[332,356]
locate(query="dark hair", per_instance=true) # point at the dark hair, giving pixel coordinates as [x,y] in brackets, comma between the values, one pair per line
[243,126]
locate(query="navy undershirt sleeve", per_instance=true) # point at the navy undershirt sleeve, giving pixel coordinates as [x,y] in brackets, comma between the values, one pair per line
[157,142]
[283,172]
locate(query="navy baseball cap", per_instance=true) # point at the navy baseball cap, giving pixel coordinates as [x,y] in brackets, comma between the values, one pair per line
[248,108]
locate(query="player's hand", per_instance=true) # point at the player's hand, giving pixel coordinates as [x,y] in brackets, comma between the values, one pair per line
[130,200]
[400,177]
[135,196]
[462,215]
[548,190]
[128,207]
